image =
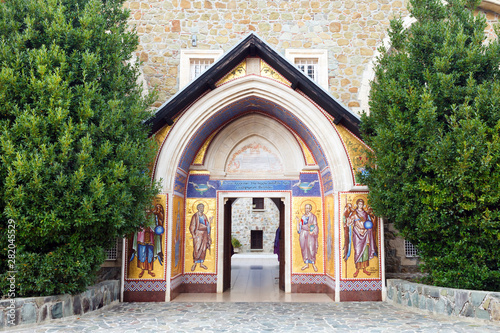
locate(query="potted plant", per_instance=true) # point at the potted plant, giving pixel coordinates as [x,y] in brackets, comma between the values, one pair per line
[236,244]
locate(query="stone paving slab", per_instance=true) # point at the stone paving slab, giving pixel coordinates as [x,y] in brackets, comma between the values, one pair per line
[261,317]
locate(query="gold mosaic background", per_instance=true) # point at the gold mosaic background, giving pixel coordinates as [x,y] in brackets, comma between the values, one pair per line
[210,211]
[330,234]
[158,270]
[297,212]
[178,227]
[348,267]
[356,149]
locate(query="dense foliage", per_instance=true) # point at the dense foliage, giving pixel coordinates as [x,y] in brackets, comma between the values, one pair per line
[74,153]
[434,126]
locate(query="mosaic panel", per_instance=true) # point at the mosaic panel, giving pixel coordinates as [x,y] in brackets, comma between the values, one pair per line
[359,237]
[360,285]
[200,186]
[307,153]
[357,151]
[255,185]
[162,134]
[308,279]
[307,186]
[237,72]
[330,282]
[268,71]
[174,283]
[200,278]
[180,182]
[147,247]
[203,150]
[178,227]
[307,235]
[330,234]
[200,235]
[326,178]
[145,285]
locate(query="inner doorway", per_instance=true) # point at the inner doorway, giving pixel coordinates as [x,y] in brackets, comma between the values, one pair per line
[256,270]
[282,201]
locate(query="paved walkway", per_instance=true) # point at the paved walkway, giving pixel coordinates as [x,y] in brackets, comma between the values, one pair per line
[261,317]
[255,304]
[254,278]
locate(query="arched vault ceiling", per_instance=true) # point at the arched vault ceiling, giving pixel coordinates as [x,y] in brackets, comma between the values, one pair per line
[255,129]
[248,105]
[252,94]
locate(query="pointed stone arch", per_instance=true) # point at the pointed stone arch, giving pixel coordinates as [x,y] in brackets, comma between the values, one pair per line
[314,170]
[253,93]
[251,129]
[248,108]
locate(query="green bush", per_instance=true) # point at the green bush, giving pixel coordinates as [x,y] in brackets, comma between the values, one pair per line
[434,126]
[70,268]
[74,151]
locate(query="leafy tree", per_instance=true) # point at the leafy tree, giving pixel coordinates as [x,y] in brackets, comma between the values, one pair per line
[74,151]
[434,126]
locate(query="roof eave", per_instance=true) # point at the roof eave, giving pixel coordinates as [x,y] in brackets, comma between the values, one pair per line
[252,46]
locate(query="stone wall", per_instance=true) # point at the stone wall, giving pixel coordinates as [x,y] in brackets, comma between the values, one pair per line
[111,268]
[245,219]
[445,301]
[35,310]
[351,31]
[109,273]
[395,259]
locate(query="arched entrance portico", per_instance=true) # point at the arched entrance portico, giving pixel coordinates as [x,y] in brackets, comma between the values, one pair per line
[257,134]
[266,114]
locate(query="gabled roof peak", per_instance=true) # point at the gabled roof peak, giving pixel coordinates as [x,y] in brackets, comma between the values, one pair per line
[253,46]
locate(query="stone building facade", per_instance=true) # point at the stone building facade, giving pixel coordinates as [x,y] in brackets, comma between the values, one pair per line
[252,99]
[351,31]
[246,218]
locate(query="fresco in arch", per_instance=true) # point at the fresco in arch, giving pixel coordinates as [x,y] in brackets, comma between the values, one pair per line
[200,235]
[359,237]
[147,246]
[177,235]
[254,158]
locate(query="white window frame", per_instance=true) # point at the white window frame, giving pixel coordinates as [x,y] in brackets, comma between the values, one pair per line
[198,66]
[263,209]
[309,65]
[185,62]
[322,57]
